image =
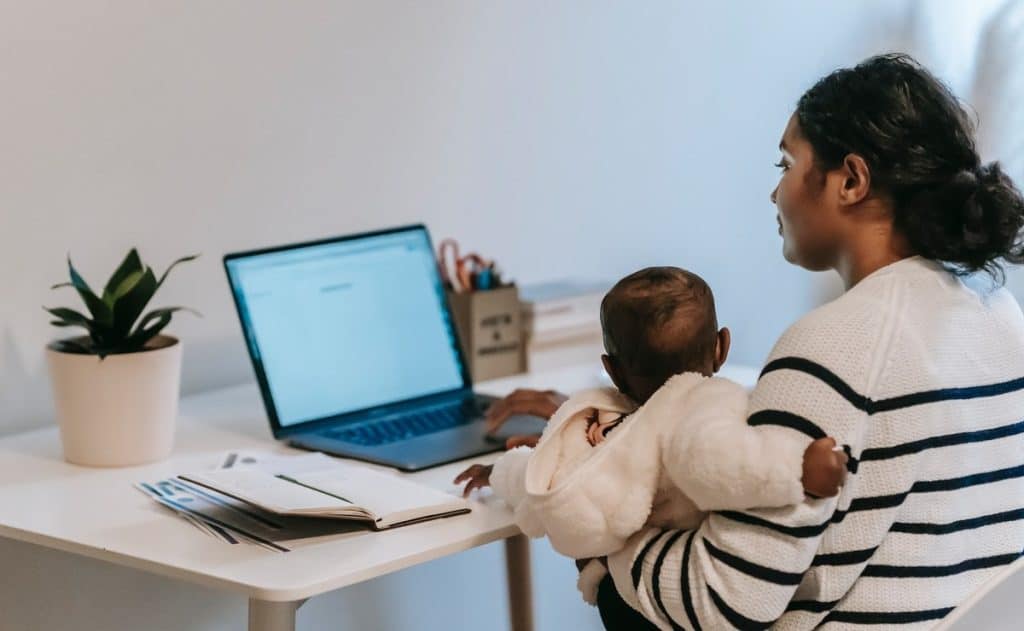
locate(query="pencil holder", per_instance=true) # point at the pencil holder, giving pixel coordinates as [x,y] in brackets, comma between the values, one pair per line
[490,330]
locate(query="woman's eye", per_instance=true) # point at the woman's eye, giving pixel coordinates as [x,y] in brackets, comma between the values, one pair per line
[782,165]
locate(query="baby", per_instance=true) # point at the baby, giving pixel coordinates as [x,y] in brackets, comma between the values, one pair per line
[670,444]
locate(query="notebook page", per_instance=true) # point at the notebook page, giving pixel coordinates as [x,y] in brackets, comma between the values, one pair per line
[388,497]
[268,491]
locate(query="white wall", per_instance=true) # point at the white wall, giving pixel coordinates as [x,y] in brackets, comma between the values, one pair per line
[581,139]
[566,139]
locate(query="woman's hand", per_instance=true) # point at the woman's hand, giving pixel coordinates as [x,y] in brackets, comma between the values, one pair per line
[542,403]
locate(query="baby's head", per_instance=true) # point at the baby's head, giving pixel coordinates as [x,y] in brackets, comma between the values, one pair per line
[657,323]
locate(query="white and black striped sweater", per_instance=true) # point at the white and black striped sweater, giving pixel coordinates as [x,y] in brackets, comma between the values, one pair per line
[923,378]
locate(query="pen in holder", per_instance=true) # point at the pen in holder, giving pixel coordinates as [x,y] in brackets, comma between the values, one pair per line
[487,313]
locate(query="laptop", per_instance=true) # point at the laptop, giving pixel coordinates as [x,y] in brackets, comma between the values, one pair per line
[356,353]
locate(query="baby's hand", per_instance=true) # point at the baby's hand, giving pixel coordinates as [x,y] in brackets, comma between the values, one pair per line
[824,468]
[479,476]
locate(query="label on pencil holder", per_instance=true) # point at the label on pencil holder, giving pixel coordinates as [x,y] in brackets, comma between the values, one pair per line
[490,329]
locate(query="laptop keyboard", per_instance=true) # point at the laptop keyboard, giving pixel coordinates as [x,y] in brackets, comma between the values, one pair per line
[389,430]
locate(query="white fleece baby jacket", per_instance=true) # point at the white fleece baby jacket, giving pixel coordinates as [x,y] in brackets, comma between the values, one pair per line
[687,451]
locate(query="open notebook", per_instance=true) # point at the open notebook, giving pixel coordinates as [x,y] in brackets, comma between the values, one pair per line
[318,486]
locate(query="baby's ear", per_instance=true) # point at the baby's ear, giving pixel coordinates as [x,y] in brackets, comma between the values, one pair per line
[612,368]
[722,347]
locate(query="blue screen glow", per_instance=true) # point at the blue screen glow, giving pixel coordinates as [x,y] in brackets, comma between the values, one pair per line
[345,326]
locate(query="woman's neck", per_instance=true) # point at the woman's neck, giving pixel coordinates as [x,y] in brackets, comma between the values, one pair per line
[871,250]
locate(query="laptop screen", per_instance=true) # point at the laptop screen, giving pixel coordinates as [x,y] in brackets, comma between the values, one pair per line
[349,325]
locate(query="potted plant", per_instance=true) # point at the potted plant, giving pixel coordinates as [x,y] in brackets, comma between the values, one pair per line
[116,388]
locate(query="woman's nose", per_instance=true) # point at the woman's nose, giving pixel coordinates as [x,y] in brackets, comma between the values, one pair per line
[774,194]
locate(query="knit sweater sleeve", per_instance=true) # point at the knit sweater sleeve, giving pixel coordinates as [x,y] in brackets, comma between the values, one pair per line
[742,568]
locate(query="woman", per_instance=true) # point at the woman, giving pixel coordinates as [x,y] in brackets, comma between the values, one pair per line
[917,368]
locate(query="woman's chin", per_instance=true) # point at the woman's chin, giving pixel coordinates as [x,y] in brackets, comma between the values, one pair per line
[789,254]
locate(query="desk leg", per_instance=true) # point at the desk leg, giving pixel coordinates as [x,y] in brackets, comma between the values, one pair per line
[520,592]
[272,616]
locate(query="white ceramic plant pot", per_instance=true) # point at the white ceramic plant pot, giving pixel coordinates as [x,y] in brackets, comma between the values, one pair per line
[118,411]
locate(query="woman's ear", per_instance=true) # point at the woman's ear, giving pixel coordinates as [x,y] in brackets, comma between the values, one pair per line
[856,180]
[722,347]
[611,366]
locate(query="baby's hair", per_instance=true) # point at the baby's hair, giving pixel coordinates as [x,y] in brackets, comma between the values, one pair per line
[659,322]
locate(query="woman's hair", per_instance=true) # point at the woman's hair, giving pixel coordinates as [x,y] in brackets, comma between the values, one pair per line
[918,143]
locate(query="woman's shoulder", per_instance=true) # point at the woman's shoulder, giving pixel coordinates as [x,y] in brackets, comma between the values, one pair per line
[1002,303]
[906,312]
[849,324]
[826,363]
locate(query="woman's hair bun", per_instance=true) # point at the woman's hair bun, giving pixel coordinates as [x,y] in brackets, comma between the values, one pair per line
[971,220]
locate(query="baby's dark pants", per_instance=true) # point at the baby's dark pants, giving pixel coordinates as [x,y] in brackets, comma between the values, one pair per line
[615,613]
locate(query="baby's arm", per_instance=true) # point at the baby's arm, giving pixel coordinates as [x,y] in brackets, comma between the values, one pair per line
[478,476]
[722,463]
[508,478]
[824,468]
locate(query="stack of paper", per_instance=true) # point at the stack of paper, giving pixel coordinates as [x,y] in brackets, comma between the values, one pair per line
[556,311]
[270,500]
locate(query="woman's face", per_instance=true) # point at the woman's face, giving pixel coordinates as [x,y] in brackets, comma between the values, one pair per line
[808,215]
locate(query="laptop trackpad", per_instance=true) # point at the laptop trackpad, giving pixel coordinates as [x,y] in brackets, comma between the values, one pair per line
[517,426]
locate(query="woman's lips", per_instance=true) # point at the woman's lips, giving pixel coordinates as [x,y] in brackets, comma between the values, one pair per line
[778,219]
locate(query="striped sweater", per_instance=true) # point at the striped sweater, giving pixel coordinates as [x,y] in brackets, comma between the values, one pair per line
[923,377]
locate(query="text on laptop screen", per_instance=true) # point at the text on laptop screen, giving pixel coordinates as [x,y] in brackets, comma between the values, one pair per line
[345,326]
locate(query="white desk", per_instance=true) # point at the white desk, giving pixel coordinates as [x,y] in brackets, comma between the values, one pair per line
[96,513]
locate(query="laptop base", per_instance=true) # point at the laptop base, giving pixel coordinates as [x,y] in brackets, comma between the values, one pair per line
[428,450]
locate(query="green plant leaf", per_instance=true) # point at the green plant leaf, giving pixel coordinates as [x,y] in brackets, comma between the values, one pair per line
[146,330]
[181,260]
[131,264]
[115,326]
[70,317]
[130,305]
[124,287]
[159,313]
[138,339]
[101,313]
